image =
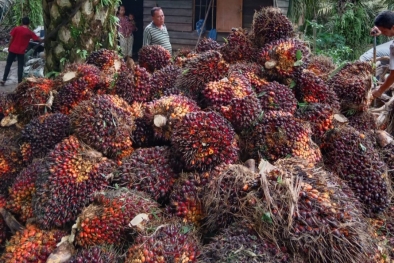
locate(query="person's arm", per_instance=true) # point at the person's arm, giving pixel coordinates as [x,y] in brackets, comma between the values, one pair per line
[147,39]
[385,86]
[35,37]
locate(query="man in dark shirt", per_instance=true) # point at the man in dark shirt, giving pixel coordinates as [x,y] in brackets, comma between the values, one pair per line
[20,38]
[156,32]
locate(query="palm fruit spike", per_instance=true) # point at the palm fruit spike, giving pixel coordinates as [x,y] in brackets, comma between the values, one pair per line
[43,133]
[148,170]
[361,121]
[7,104]
[22,191]
[306,204]
[166,111]
[153,57]
[270,24]
[322,66]
[278,135]
[3,226]
[105,123]
[164,79]
[95,254]
[134,87]
[238,46]
[32,96]
[312,89]
[106,221]
[363,170]
[185,198]
[284,58]
[171,242]
[319,115]
[220,93]
[242,237]
[207,44]
[274,96]
[11,163]
[242,112]
[203,140]
[73,173]
[31,245]
[352,84]
[206,67]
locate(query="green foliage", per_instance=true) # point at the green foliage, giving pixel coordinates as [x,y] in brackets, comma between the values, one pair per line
[31,8]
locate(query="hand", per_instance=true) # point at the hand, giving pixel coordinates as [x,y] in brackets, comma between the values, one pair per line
[375,31]
[376,93]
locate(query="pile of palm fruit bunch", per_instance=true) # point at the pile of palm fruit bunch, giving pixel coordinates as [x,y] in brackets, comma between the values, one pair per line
[250,150]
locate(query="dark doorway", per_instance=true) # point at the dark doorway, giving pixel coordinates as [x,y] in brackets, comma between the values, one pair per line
[136,7]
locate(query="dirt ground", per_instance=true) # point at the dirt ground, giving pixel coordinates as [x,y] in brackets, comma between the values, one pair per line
[12,81]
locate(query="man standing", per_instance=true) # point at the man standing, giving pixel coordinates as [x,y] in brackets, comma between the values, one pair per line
[20,37]
[156,32]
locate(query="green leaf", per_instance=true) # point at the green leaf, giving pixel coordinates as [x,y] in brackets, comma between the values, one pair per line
[279,180]
[302,104]
[298,55]
[104,124]
[267,218]
[185,229]
[292,84]
[363,148]
[225,40]
[261,94]
[298,63]
[185,71]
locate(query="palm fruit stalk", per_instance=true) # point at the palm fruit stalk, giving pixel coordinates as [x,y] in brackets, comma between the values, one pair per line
[31,245]
[42,134]
[207,44]
[299,204]
[73,173]
[164,79]
[278,135]
[153,57]
[284,58]
[238,46]
[148,170]
[107,220]
[134,86]
[275,97]
[203,140]
[95,254]
[105,123]
[269,25]
[352,84]
[321,66]
[312,89]
[206,67]
[362,170]
[171,242]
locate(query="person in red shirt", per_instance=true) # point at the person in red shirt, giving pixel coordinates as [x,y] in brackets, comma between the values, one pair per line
[20,38]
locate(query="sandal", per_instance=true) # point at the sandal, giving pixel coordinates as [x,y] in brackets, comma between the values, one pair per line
[2,83]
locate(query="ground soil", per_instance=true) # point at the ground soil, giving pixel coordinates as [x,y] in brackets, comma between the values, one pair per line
[12,81]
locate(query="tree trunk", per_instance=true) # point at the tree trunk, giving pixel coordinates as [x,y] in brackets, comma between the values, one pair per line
[75,28]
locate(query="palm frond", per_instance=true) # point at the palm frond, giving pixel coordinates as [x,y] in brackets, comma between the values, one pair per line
[5,6]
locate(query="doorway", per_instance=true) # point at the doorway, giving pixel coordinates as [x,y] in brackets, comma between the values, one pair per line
[136,7]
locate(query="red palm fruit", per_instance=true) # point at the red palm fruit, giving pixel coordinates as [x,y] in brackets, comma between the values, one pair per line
[238,46]
[95,254]
[275,97]
[164,79]
[3,226]
[203,140]
[321,66]
[7,104]
[207,44]
[105,123]
[153,57]
[11,163]
[183,56]
[252,71]
[73,173]
[361,121]
[165,112]
[105,60]
[148,170]
[108,220]
[31,245]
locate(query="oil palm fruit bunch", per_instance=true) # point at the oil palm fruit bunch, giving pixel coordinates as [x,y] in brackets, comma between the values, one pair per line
[183,56]
[31,245]
[363,170]
[352,84]
[148,170]
[185,198]
[278,135]
[361,121]
[300,204]
[321,65]
[387,155]
[284,58]
[269,25]
[203,140]
[3,226]
[274,96]
[198,71]
[320,116]
[11,163]
[164,79]
[252,71]
[221,92]
[207,44]
[106,60]
[73,173]
[107,220]
[238,46]
[134,86]
[7,104]
[22,190]
[242,112]
[105,123]
[241,243]
[165,112]
[143,134]
[95,254]
[312,89]
[43,133]
[153,57]
[171,242]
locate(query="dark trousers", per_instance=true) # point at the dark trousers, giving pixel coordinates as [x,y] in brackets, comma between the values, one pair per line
[21,61]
